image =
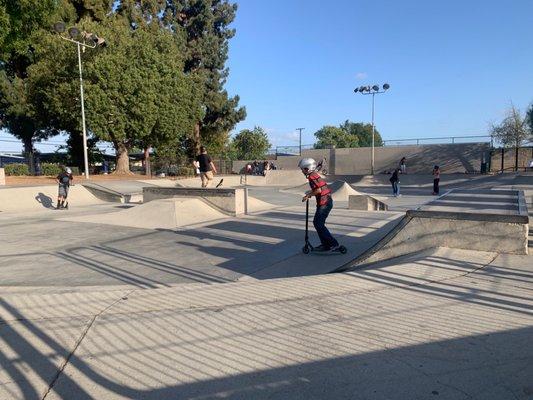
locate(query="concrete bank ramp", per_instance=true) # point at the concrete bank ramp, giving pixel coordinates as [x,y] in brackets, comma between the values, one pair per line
[33,198]
[166,214]
[482,220]
[158,214]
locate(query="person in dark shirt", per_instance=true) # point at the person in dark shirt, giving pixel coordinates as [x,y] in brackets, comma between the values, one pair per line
[324,203]
[395,181]
[436,180]
[63,179]
[206,166]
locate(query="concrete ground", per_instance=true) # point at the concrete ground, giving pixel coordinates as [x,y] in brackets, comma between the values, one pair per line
[232,309]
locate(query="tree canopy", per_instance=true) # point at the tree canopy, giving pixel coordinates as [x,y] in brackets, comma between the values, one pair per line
[159,82]
[347,134]
[251,144]
[513,129]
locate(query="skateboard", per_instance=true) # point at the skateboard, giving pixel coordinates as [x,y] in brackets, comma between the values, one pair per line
[219,183]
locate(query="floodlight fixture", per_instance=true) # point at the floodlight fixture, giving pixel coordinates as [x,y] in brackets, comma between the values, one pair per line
[373,90]
[73,32]
[59,27]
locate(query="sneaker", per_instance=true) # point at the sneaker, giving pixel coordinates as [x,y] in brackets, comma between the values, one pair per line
[321,248]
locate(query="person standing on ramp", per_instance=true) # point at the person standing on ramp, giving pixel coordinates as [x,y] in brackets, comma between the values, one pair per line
[63,179]
[324,204]
[206,166]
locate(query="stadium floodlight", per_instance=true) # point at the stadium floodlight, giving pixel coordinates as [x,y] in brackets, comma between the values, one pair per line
[373,90]
[59,27]
[73,32]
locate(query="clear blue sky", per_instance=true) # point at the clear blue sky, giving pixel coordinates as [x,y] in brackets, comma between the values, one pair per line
[453,66]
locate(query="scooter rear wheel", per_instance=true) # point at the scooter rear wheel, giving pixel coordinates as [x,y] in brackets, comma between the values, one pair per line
[343,249]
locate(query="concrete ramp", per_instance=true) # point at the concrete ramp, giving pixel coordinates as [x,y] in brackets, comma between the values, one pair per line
[486,220]
[169,213]
[33,198]
[157,214]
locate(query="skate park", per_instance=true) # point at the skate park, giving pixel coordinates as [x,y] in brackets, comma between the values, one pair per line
[157,274]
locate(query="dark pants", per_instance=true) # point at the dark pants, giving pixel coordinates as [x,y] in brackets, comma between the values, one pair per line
[319,222]
[395,188]
[436,186]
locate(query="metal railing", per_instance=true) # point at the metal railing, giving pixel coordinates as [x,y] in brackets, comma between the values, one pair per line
[438,140]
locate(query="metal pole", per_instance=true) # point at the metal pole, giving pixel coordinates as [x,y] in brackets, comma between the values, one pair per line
[85,155]
[372,157]
[300,129]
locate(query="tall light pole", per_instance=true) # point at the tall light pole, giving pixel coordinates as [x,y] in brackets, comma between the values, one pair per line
[89,40]
[373,90]
[300,130]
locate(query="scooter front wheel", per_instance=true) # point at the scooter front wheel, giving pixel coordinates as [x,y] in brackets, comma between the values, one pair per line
[306,249]
[343,249]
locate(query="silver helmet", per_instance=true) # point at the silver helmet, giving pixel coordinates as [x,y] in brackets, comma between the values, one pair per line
[308,163]
[68,170]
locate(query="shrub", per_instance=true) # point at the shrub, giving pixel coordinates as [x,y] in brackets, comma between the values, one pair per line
[16,169]
[50,169]
[185,171]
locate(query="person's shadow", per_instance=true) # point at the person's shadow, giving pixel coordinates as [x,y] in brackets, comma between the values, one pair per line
[45,200]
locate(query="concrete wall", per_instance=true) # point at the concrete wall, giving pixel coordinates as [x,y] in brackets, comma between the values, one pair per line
[452,158]
[2,177]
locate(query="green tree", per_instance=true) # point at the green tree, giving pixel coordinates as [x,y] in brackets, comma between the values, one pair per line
[251,144]
[206,25]
[363,132]
[21,23]
[137,93]
[347,134]
[332,136]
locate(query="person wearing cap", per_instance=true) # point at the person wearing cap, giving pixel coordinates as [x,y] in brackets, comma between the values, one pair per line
[206,167]
[63,179]
[324,203]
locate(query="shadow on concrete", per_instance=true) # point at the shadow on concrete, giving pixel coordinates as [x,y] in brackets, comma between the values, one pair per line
[44,200]
[220,359]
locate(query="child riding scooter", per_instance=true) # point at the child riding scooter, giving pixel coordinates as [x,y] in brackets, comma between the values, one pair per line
[324,204]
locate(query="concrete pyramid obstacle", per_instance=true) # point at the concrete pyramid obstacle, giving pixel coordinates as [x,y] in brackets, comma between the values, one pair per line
[341,191]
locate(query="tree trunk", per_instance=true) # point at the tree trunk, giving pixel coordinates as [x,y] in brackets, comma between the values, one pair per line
[516,159]
[147,166]
[123,161]
[30,156]
[196,138]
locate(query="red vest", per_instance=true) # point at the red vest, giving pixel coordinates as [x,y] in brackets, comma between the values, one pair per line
[316,181]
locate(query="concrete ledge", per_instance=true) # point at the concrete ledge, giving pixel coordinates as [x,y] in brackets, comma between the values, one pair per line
[105,194]
[2,177]
[366,203]
[229,201]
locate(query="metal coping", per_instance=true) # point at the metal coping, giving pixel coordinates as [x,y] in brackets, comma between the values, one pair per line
[227,192]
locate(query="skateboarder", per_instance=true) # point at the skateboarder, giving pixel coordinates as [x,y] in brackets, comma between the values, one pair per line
[64,180]
[206,166]
[324,204]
